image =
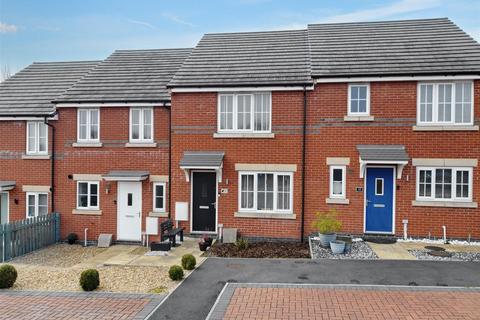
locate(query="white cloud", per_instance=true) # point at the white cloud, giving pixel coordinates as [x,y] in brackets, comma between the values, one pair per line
[396,8]
[7,28]
[143,23]
[177,19]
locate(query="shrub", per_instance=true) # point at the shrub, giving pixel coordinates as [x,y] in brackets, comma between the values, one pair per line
[8,276]
[71,238]
[175,273]
[326,222]
[242,244]
[188,262]
[89,280]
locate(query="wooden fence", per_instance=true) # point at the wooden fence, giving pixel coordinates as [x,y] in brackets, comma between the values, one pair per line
[24,236]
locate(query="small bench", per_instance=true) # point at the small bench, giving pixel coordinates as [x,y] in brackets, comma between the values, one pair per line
[167,231]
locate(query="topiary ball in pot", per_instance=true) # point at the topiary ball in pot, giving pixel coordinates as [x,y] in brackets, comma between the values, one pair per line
[188,262]
[8,276]
[175,273]
[71,238]
[89,280]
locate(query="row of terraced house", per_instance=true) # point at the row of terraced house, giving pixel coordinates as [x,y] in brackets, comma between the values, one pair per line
[256,131]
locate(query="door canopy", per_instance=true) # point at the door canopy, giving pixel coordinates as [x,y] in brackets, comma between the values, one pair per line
[202,160]
[382,154]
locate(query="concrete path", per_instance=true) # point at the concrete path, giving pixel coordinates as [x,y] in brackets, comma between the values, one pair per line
[394,251]
[76,305]
[296,301]
[194,298]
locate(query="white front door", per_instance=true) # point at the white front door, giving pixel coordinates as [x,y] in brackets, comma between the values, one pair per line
[129,211]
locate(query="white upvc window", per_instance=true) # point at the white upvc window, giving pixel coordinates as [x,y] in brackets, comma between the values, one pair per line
[445,103]
[88,195]
[359,99]
[266,192]
[159,192]
[141,125]
[337,182]
[245,112]
[37,138]
[37,204]
[88,128]
[444,184]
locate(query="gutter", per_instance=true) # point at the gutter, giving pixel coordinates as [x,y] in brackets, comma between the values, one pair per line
[52,166]
[304,138]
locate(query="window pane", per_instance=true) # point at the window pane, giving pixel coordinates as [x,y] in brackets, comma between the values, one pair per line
[94,115]
[42,139]
[426,103]
[159,196]
[262,112]
[337,175]
[82,201]
[94,189]
[32,132]
[443,183]
[83,188]
[463,105]
[283,197]
[354,93]
[226,112]
[244,109]
[31,205]
[354,105]
[362,106]
[462,182]
[444,102]
[42,204]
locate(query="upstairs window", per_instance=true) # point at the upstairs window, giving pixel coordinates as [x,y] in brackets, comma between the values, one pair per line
[445,103]
[37,138]
[444,184]
[88,125]
[359,100]
[244,112]
[141,125]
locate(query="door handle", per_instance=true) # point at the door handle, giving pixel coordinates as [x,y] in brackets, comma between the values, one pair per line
[139,214]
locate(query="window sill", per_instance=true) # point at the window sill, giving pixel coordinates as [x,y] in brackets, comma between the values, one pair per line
[358,118]
[141,145]
[87,212]
[35,156]
[158,214]
[261,215]
[447,204]
[87,144]
[245,135]
[445,128]
[337,201]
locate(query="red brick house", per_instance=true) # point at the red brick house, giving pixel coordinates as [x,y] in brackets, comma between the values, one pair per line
[255,131]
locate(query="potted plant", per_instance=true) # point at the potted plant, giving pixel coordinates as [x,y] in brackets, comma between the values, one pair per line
[327,225]
[348,242]
[204,243]
[208,240]
[71,238]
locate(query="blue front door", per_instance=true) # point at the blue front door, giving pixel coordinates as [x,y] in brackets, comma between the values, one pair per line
[379,200]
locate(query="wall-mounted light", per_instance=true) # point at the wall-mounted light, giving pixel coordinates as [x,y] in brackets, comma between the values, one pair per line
[108,186]
[15,201]
[70,176]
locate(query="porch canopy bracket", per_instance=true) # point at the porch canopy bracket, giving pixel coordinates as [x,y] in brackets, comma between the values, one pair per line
[383,155]
[7,185]
[202,160]
[126,175]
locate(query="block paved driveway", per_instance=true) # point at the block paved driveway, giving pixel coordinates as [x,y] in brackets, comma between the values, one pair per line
[194,298]
[76,305]
[337,302]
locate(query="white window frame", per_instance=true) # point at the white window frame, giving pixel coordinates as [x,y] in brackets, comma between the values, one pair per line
[349,111]
[454,197]
[255,190]
[155,184]
[235,113]
[89,125]
[89,207]
[435,121]
[37,138]
[344,180]
[142,126]
[36,195]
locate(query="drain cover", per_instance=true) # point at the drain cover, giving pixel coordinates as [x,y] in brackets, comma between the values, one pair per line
[434,248]
[443,254]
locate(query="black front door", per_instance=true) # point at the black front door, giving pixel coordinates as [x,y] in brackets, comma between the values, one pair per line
[204,198]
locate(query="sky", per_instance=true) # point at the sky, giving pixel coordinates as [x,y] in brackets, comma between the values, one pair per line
[65,30]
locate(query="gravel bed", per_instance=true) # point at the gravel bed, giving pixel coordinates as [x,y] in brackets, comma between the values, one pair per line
[59,255]
[360,250]
[261,249]
[456,256]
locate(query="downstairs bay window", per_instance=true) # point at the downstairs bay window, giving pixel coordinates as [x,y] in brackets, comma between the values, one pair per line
[444,184]
[268,192]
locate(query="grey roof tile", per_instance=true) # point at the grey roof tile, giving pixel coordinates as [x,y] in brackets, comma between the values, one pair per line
[383,152]
[31,90]
[247,58]
[409,47]
[129,76]
[199,159]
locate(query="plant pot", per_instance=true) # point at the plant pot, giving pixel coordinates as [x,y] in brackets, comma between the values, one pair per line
[326,238]
[203,246]
[348,242]
[208,241]
[337,246]
[160,246]
[71,241]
